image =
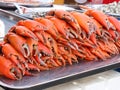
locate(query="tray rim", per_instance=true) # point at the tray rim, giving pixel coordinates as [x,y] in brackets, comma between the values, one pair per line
[7,13]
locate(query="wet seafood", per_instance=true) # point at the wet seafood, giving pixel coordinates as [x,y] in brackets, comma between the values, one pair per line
[58,39]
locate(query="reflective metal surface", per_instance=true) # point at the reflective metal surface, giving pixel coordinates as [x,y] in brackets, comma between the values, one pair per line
[9,19]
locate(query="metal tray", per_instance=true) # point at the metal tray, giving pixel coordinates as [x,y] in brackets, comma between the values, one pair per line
[40,11]
[9,19]
[55,76]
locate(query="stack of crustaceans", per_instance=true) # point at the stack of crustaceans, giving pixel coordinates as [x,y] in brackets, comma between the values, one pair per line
[58,39]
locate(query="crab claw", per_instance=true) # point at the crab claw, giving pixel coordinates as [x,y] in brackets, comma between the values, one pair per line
[103,20]
[33,46]
[67,16]
[115,22]
[98,27]
[118,44]
[100,53]
[33,67]
[32,25]
[85,22]
[50,25]
[48,40]
[9,70]
[15,57]
[115,35]
[66,53]
[44,50]
[64,28]
[60,28]
[39,60]
[23,31]
[19,43]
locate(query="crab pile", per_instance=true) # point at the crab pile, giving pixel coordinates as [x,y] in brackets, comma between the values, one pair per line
[58,39]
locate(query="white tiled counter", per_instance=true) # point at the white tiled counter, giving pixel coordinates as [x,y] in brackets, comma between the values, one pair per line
[109,80]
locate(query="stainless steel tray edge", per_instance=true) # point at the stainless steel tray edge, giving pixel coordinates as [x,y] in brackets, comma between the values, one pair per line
[12,15]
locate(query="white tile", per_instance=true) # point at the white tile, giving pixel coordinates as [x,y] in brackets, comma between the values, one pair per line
[65,86]
[92,83]
[109,80]
[1,88]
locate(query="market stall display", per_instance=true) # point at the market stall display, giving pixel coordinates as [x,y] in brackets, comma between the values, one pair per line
[90,47]
[111,8]
[38,11]
[58,39]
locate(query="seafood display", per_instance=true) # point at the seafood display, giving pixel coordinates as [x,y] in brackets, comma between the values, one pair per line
[58,39]
[110,8]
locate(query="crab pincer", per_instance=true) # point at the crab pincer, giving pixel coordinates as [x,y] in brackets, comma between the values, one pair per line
[9,70]
[50,25]
[43,51]
[85,22]
[32,25]
[99,16]
[23,31]
[67,16]
[19,43]
[64,28]
[32,45]
[115,22]
[15,57]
